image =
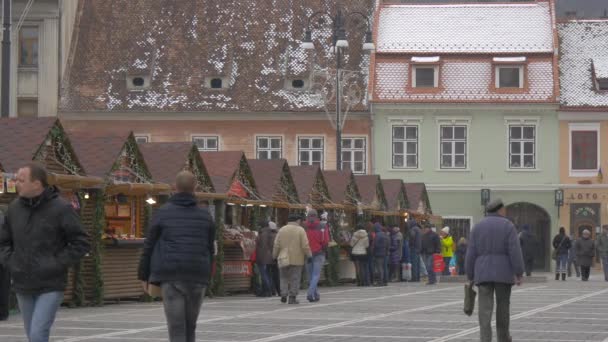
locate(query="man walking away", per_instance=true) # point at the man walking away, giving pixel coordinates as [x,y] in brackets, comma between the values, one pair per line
[494,262]
[381,245]
[529,245]
[318,239]
[602,249]
[430,245]
[41,238]
[396,254]
[572,258]
[291,249]
[5,284]
[585,251]
[461,252]
[178,254]
[264,245]
[562,244]
[415,242]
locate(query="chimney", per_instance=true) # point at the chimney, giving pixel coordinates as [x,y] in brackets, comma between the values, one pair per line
[571,14]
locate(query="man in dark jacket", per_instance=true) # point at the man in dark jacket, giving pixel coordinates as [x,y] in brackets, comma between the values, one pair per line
[5,284]
[178,252]
[431,244]
[561,244]
[318,240]
[529,245]
[494,263]
[381,245]
[41,238]
[415,242]
[264,259]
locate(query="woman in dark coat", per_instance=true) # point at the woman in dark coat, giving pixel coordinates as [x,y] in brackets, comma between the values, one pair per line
[461,252]
[585,251]
[562,244]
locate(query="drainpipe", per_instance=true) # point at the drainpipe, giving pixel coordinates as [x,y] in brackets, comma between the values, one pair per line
[372,144]
[6,59]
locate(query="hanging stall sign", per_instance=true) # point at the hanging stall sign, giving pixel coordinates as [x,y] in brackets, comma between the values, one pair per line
[237,189]
[1,183]
[11,184]
[240,268]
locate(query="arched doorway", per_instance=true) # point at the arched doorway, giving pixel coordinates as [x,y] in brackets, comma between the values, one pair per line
[539,220]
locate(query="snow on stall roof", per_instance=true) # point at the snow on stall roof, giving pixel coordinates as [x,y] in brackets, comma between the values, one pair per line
[583,42]
[466,28]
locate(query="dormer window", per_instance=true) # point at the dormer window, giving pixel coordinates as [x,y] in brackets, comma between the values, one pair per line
[509,72]
[138,82]
[216,82]
[425,72]
[600,73]
[296,84]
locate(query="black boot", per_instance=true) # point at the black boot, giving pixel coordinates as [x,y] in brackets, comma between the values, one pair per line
[556,276]
[563,276]
[283,299]
[292,300]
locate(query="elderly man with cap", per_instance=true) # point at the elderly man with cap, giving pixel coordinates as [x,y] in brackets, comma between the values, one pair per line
[494,263]
[291,250]
[318,239]
[585,251]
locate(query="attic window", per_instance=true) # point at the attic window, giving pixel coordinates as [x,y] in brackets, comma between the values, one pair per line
[297,84]
[138,82]
[600,73]
[602,84]
[216,83]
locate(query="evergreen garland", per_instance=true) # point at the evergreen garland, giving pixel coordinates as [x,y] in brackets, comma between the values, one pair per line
[97,247]
[332,270]
[217,282]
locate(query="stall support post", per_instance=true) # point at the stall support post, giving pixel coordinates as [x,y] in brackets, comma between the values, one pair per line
[97,247]
[217,281]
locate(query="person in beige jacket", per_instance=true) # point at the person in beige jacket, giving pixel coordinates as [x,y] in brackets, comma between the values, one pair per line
[291,250]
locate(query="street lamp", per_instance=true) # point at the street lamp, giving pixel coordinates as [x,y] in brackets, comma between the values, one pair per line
[339,42]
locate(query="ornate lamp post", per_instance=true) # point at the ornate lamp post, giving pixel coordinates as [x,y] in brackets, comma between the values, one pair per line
[339,43]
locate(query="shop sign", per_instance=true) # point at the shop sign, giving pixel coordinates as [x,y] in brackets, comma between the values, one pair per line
[584,196]
[240,268]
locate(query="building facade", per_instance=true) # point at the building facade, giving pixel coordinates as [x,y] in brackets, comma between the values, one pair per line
[583,123]
[227,75]
[468,105]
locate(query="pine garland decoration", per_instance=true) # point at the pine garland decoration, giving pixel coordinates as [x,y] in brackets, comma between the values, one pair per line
[217,282]
[97,247]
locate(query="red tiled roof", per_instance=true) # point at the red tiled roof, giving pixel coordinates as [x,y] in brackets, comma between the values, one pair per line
[97,153]
[267,175]
[337,183]
[165,159]
[20,139]
[180,44]
[305,177]
[221,167]
[392,189]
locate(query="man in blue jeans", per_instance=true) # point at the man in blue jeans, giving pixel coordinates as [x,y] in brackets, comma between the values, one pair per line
[602,249]
[40,239]
[318,239]
[430,245]
[415,242]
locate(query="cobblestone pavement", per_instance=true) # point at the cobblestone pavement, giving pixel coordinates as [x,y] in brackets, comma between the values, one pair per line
[551,311]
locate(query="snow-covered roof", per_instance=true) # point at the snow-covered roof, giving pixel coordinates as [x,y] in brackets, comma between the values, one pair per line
[584,48]
[466,28]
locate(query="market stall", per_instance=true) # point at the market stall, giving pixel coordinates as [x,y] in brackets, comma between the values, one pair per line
[311,186]
[396,200]
[232,204]
[122,210]
[44,140]
[418,201]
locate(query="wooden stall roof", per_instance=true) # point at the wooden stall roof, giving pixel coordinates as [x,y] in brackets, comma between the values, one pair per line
[342,186]
[166,159]
[23,140]
[98,152]
[418,198]
[396,198]
[226,166]
[274,180]
[310,184]
[372,193]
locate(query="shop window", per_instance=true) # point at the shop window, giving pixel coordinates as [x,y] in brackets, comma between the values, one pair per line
[28,46]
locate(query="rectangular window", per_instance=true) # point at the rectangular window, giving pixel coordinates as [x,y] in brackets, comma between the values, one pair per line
[28,47]
[602,84]
[522,147]
[509,77]
[141,139]
[425,77]
[311,151]
[584,153]
[206,143]
[460,227]
[354,153]
[453,147]
[269,147]
[405,147]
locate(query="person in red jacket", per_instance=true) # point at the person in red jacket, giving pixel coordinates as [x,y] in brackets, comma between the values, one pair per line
[318,239]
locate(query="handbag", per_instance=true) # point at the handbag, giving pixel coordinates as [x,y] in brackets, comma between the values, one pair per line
[554,253]
[406,271]
[469,298]
[438,263]
[154,291]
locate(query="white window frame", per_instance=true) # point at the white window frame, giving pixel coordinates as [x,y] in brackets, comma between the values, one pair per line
[206,137]
[269,149]
[584,126]
[405,141]
[322,149]
[148,137]
[435,76]
[521,121]
[353,150]
[461,217]
[37,26]
[497,75]
[454,121]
